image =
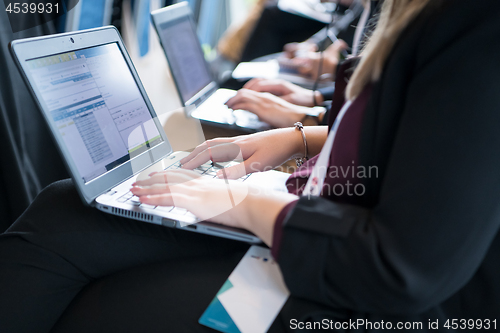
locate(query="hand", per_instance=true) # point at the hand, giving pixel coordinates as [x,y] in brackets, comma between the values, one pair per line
[269,108]
[286,90]
[307,63]
[259,152]
[291,49]
[230,203]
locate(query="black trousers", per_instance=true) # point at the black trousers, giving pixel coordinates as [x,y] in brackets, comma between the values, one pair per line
[71,266]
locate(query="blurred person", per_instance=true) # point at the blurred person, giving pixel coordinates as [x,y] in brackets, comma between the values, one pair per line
[272,109]
[305,57]
[281,113]
[314,43]
[274,28]
[265,29]
[316,65]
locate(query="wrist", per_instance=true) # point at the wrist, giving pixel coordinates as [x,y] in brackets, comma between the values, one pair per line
[297,142]
[312,115]
[321,116]
[318,98]
[263,209]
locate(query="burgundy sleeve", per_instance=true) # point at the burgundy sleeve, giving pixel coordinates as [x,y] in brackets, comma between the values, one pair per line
[278,228]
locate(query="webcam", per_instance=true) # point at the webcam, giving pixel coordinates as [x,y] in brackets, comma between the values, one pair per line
[71,39]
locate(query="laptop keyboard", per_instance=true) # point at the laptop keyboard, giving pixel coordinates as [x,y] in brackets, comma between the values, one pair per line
[208,170]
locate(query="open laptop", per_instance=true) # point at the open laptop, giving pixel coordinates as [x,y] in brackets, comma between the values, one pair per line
[105,127]
[198,91]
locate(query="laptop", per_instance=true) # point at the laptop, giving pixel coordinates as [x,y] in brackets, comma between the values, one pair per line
[198,91]
[106,128]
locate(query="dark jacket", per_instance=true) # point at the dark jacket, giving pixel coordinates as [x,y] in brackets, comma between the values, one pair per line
[29,160]
[423,242]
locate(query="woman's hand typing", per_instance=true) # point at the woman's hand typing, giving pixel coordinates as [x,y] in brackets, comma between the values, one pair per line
[228,202]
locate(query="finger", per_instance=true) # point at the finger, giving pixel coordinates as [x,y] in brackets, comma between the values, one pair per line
[168,177]
[249,100]
[289,98]
[305,66]
[243,95]
[240,170]
[237,99]
[290,47]
[220,153]
[170,199]
[305,70]
[157,188]
[204,146]
[198,159]
[334,50]
[259,83]
[253,83]
[193,154]
[239,95]
[150,190]
[248,106]
[275,87]
[233,172]
[340,45]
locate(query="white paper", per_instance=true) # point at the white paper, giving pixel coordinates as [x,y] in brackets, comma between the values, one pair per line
[264,69]
[258,292]
[304,8]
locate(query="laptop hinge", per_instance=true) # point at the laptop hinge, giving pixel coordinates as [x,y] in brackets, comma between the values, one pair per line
[203,94]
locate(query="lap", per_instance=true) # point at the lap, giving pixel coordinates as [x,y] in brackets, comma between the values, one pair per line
[59,246]
[100,244]
[165,297]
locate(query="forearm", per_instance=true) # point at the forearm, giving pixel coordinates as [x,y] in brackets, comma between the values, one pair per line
[316,137]
[262,209]
[294,143]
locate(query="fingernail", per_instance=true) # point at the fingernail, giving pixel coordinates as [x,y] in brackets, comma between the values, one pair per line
[223,174]
[135,183]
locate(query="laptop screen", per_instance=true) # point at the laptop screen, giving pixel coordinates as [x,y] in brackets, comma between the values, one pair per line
[94,101]
[185,56]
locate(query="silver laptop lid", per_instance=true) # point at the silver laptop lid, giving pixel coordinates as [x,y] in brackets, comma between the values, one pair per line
[176,29]
[95,106]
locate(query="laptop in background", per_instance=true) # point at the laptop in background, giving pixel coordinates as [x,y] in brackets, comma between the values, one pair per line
[106,128]
[198,91]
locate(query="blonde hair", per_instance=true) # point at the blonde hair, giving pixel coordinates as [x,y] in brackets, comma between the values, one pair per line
[395,16]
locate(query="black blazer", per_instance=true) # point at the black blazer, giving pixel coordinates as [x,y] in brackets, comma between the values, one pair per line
[424,244]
